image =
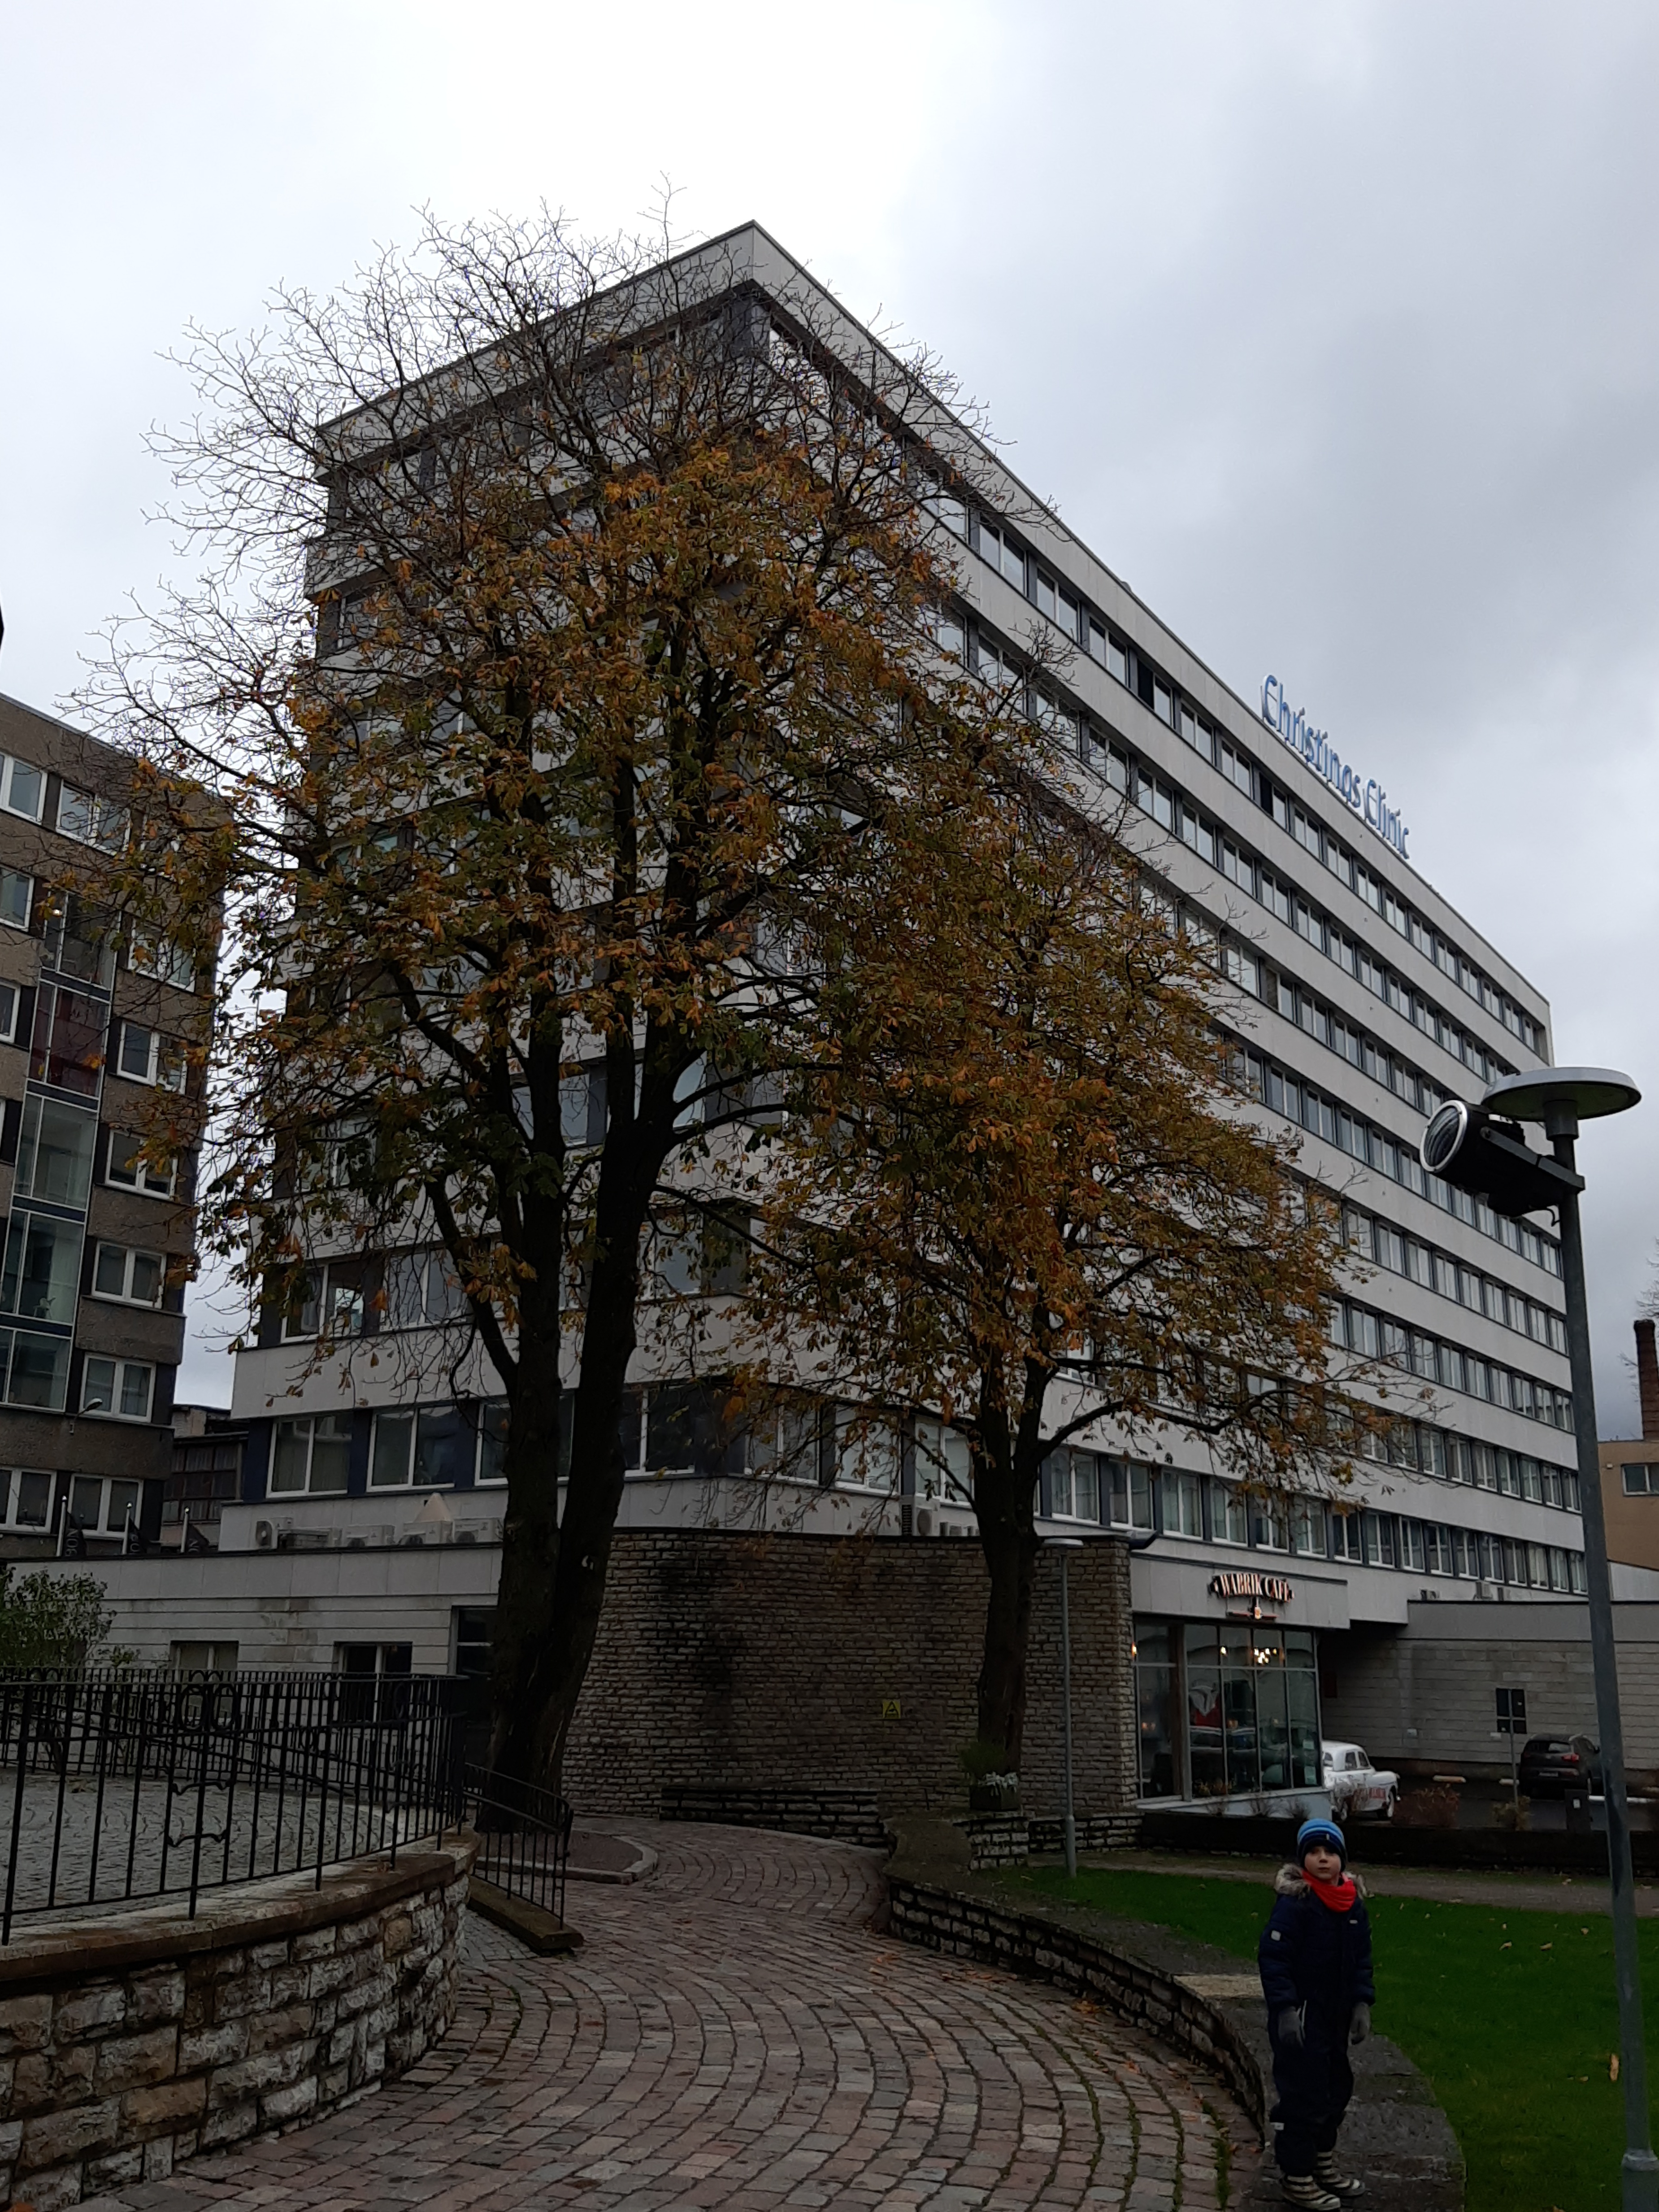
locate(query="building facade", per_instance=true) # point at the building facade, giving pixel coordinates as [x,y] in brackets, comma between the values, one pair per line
[1362,998]
[98,1239]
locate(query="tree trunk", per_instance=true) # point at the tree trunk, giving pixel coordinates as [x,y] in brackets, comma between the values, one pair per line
[553,1567]
[1008,1539]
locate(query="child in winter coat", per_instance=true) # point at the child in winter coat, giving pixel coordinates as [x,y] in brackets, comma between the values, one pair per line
[1315,1973]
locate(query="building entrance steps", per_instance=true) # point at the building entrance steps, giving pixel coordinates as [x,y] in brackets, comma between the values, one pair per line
[736,2033]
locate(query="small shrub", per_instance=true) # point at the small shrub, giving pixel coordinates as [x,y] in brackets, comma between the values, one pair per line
[1436,1806]
[980,1758]
[54,1621]
[1514,1814]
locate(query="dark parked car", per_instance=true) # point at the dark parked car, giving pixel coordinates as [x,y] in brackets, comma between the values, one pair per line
[1551,1764]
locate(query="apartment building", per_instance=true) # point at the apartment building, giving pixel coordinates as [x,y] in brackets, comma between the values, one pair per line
[98,1239]
[1360,999]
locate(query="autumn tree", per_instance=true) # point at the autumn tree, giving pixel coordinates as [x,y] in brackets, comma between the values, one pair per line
[562,675]
[1021,1192]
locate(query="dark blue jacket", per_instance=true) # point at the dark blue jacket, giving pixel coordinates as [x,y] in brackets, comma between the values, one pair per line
[1311,1955]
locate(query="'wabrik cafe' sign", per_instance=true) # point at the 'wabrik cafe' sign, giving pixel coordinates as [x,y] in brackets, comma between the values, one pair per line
[1256,1589]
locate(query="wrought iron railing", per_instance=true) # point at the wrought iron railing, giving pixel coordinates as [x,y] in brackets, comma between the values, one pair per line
[118,1783]
[524,1839]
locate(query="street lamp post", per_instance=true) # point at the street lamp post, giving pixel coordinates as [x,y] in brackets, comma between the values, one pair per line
[1478,1149]
[1066,1546]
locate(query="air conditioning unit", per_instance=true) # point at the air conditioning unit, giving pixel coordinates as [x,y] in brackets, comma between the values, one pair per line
[1486,1593]
[264,1536]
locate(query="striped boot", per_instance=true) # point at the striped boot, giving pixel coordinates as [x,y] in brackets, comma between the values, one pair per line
[1336,2184]
[1302,2188]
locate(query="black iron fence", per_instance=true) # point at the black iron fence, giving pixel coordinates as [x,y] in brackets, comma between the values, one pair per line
[523,1839]
[119,1784]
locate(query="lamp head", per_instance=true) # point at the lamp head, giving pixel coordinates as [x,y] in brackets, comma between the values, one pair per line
[1561,1098]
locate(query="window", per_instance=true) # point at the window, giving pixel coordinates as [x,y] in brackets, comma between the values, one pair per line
[1307,1531]
[422,1289]
[22,788]
[166,962]
[1637,1480]
[92,819]
[432,1447]
[68,1048]
[1229,1514]
[312,1454]
[54,1152]
[102,1507]
[25,1499]
[1000,549]
[76,941]
[128,1170]
[1183,1505]
[1345,1536]
[332,1299]
[136,1279]
[10,1001]
[1412,1551]
[16,898]
[42,1268]
[146,1056]
[203,1658]
[119,1388]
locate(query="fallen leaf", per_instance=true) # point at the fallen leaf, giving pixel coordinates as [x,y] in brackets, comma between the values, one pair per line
[1546,1947]
[1612,2067]
[1506,1946]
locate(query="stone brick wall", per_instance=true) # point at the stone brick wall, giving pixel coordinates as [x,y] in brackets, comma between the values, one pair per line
[127,2042]
[800,1662]
[1027,1943]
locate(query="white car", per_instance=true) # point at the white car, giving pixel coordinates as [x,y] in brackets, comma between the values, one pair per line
[1355,1785]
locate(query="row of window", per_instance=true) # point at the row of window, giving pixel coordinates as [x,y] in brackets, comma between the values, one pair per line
[68,1046]
[102,1505]
[1423,1449]
[58,1144]
[1432,1359]
[1084,627]
[1219,848]
[1388,1247]
[87,817]
[1090,1486]
[1282,1092]
[448,1446]
[34,1373]
[41,1276]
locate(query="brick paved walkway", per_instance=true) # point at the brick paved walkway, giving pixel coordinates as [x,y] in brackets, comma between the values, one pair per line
[733,2036]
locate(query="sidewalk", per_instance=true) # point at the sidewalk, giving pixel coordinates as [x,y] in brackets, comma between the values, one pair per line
[1524,1893]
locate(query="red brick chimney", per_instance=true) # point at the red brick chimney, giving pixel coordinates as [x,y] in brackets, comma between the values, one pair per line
[1647,1377]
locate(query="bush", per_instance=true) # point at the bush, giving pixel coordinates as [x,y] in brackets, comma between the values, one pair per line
[1513,1814]
[53,1620]
[1435,1807]
[980,1759]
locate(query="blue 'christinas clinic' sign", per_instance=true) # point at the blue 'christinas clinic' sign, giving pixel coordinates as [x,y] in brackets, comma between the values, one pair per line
[1367,799]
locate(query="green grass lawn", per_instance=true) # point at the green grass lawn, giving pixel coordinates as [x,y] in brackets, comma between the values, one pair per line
[1510,2015]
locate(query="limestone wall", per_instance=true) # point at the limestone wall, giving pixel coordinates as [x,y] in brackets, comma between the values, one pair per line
[128,2041]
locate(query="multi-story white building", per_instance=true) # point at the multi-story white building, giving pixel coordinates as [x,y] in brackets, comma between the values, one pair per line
[1364,999]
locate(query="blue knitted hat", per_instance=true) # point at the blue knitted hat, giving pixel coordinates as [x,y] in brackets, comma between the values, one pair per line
[1320,1831]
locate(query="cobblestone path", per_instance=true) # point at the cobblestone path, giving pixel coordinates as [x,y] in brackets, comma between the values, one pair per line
[733,2036]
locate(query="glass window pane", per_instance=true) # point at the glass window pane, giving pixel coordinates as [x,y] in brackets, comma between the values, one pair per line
[135,1389]
[86,1500]
[291,1457]
[123,1501]
[42,1268]
[148,1273]
[33,1500]
[330,1451]
[110,1271]
[54,1154]
[443,1446]
[389,1466]
[40,1371]
[493,1442]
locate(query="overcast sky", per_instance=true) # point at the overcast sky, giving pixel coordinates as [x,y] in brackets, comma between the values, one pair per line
[1332,327]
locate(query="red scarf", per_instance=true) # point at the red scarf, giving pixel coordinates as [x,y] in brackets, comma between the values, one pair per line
[1335,1896]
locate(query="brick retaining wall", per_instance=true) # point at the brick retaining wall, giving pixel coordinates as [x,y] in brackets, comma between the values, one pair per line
[127,2041]
[826,1663]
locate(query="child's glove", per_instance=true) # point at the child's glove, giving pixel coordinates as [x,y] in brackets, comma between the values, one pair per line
[1290,2026]
[1359,2026]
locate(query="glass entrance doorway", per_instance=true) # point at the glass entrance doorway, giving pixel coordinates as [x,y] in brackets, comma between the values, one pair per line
[1226,1709]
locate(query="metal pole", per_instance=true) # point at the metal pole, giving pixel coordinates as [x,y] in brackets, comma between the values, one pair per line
[1640,2169]
[1070,1824]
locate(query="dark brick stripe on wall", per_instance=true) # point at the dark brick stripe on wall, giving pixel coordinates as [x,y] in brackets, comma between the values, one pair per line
[795,1664]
